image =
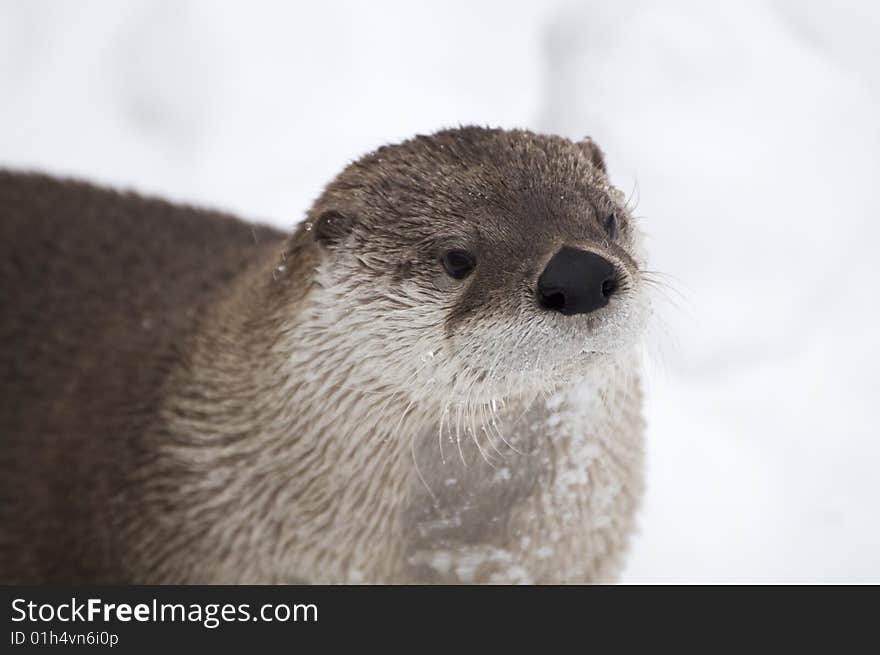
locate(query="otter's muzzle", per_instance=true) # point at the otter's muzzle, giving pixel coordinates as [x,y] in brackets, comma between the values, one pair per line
[576,282]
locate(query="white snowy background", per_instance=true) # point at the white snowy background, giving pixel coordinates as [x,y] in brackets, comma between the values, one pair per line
[748,131]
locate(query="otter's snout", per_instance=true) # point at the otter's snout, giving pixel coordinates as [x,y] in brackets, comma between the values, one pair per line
[576,282]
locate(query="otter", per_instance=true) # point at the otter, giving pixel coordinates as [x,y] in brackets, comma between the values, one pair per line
[433,379]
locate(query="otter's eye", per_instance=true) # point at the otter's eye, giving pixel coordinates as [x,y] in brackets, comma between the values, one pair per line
[458,263]
[611,225]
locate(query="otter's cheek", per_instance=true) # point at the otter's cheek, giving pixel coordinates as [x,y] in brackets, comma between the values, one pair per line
[445,284]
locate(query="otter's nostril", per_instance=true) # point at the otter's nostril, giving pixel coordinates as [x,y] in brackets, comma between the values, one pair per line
[609,286]
[554,301]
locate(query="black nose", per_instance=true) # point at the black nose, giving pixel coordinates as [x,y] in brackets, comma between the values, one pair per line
[576,282]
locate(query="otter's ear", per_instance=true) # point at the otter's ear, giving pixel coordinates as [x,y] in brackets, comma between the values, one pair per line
[593,152]
[332,227]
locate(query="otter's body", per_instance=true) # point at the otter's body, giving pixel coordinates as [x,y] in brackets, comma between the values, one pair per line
[100,293]
[186,397]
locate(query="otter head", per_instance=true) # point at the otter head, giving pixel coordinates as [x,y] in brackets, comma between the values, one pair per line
[476,263]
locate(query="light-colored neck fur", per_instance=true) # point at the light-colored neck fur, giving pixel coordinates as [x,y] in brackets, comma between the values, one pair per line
[297,459]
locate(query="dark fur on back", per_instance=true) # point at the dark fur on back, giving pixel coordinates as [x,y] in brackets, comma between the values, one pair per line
[100,292]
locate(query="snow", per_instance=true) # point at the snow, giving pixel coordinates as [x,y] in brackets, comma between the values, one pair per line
[750,131]
[747,132]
